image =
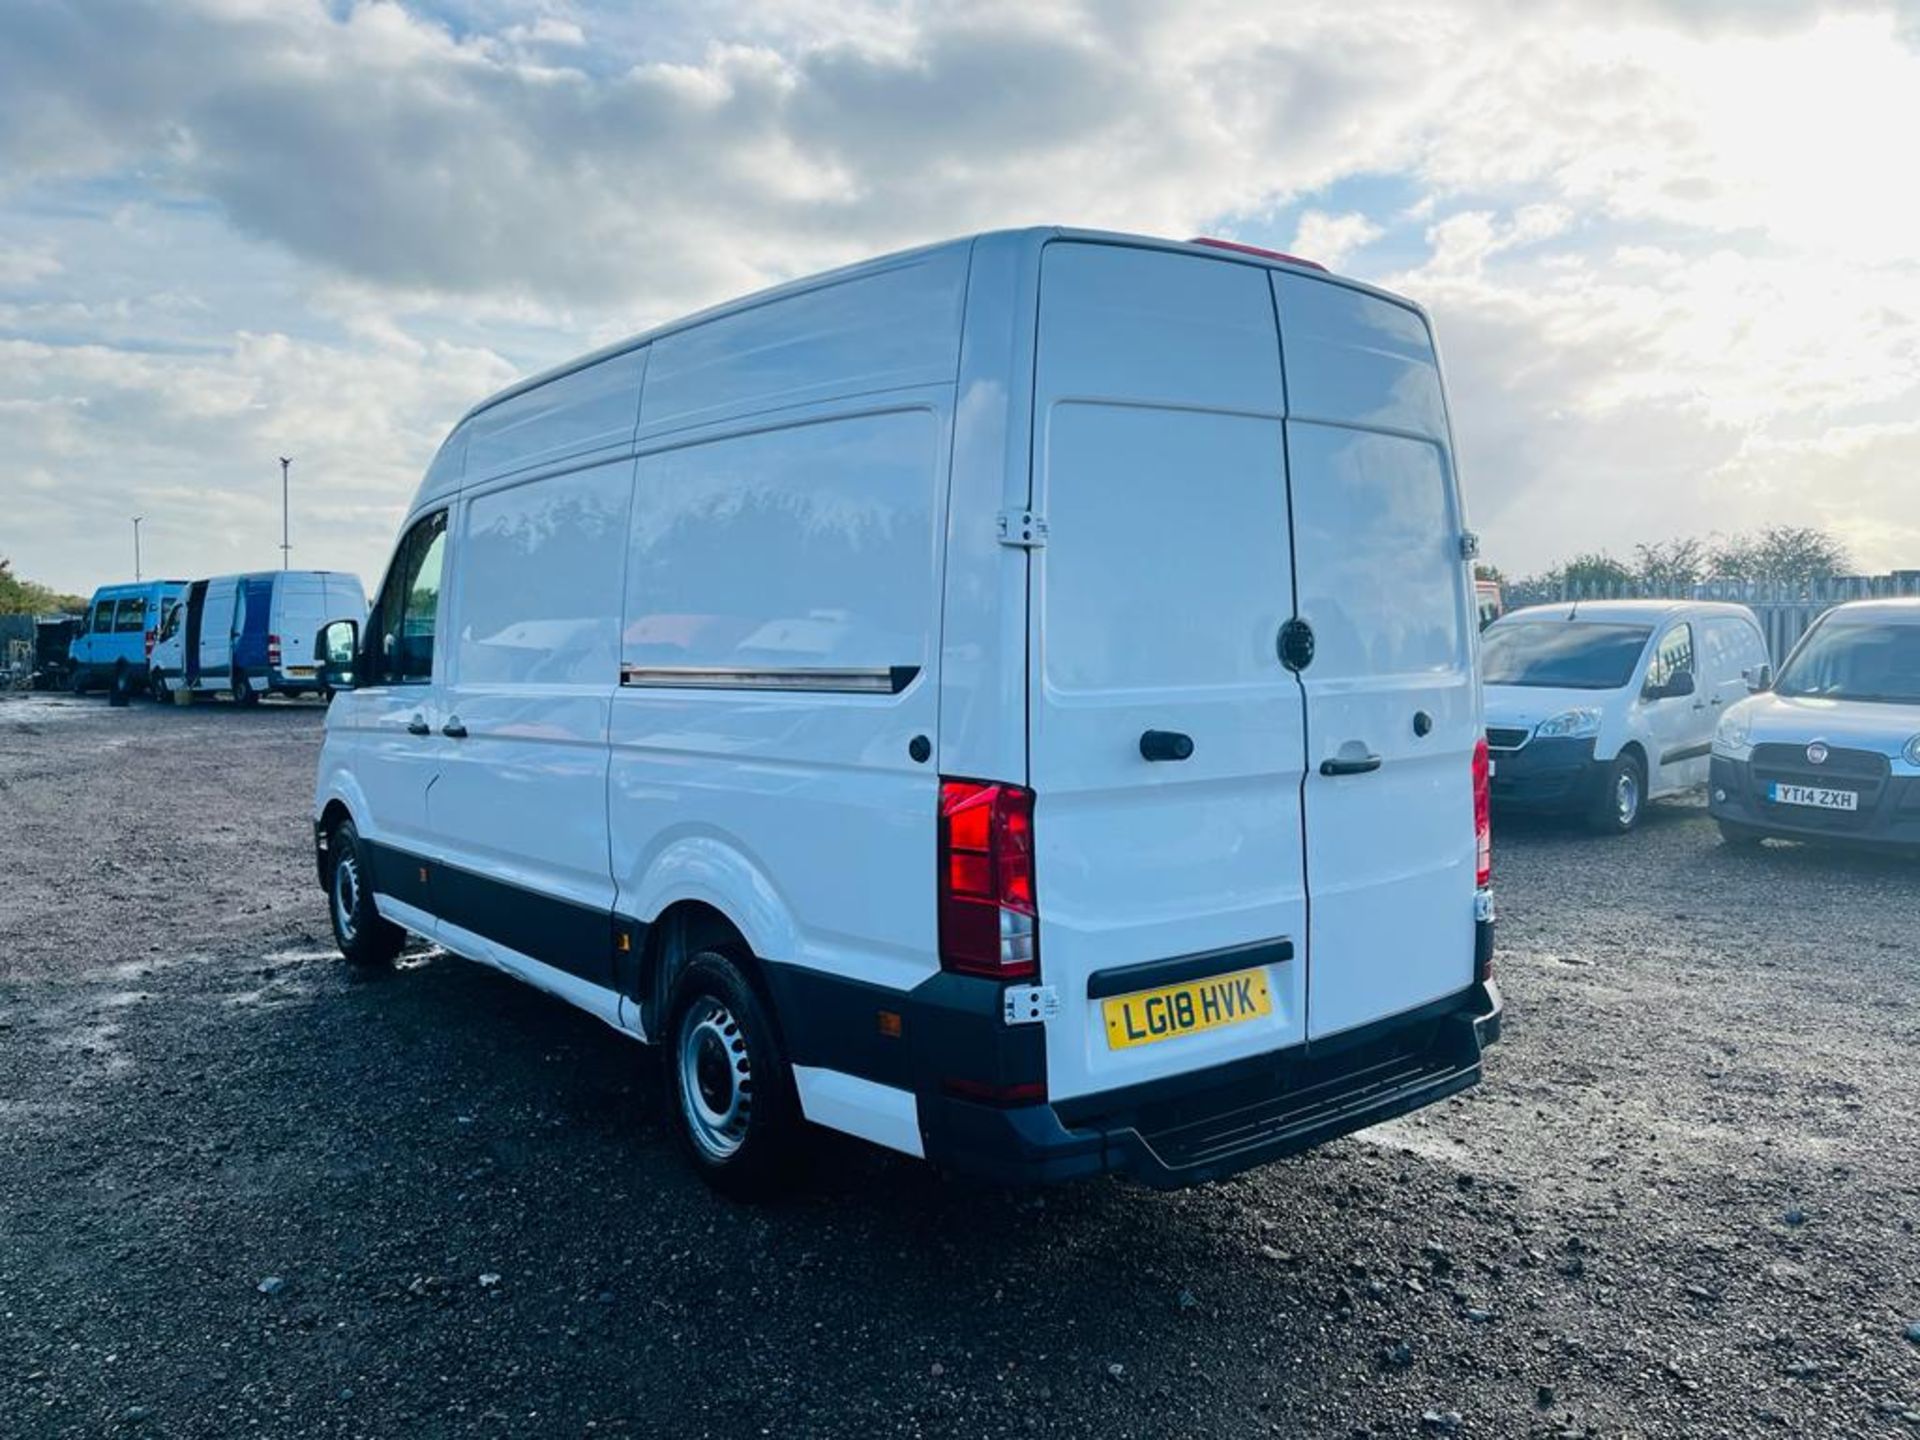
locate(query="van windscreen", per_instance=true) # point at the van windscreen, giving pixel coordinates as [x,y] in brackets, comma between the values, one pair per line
[1561,654]
[1873,664]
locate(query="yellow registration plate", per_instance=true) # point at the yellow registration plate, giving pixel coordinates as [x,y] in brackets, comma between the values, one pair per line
[300,670]
[1149,1015]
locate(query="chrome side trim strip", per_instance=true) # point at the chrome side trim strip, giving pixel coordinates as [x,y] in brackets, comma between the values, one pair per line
[881,680]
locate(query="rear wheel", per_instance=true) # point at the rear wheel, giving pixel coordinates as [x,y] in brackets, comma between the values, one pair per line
[243,691]
[77,680]
[735,1113]
[157,685]
[1622,798]
[364,938]
[120,688]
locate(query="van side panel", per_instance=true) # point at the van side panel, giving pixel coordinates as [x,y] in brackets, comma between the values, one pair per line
[585,415]
[1377,523]
[779,651]
[883,329]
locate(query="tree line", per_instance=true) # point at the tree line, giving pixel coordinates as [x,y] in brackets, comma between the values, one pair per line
[29,597]
[1779,554]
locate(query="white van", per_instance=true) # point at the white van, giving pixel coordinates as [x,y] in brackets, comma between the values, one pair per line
[1595,707]
[1831,749]
[251,635]
[1010,701]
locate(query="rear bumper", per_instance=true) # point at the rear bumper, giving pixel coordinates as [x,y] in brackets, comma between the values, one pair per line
[1217,1122]
[1889,812]
[1548,775]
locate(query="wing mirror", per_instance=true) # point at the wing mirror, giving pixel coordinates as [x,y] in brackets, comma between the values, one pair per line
[1758,678]
[1679,684]
[336,646]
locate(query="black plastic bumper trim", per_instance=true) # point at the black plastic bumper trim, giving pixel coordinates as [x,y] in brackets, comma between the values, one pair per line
[1152,974]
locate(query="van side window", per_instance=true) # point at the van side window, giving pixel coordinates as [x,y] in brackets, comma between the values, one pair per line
[131,617]
[402,625]
[540,571]
[172,623]
[1674,655]
[102,617]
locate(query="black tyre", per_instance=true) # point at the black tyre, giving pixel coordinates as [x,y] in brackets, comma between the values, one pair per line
[1623,798]
[157,686]
[77,680]
[1739,837]
[735,1113]
[120,688]
[364,938]
[243,691]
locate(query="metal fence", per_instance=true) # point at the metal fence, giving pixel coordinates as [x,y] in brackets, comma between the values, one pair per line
[1786,610]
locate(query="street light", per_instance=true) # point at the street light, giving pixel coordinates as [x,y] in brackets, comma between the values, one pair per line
[285,547]
[136,546]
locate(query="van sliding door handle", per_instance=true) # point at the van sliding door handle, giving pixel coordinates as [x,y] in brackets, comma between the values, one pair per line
[1361,765]
[1165,745]
[418,726]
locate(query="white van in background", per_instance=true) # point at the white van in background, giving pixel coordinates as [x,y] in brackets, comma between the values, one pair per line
[251,635]
[1597,706]
[1011,701]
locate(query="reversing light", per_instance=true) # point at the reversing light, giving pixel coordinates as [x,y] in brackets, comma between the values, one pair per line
[988,909]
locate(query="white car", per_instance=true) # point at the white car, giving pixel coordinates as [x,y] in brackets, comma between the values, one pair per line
[967,701]
[1832,750]
[1597,707]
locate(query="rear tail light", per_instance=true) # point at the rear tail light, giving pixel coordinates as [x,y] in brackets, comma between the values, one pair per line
[152,635]
[1482,814]
[273,649]
[988,914]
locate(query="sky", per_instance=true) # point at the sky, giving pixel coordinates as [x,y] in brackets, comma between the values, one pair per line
[1669,248]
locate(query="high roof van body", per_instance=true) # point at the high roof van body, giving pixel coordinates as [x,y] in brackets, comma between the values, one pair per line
[251,635]
[1010,701]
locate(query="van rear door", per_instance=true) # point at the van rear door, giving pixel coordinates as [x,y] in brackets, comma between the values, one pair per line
[1392,701]
[1158,598]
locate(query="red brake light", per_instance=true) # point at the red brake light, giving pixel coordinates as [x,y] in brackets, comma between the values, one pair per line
[152,635]
[987,897]
[273,649]
[1212,243]
[1482,813]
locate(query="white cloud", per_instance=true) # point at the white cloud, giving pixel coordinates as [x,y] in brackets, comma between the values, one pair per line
[1666,244]
[1332,239]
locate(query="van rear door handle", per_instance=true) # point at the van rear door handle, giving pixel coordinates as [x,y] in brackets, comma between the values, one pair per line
[1360,765]
[1165,745]
[418,726]
[453,729]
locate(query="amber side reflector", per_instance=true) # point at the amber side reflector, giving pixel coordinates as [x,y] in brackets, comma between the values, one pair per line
[625,944]
[423,874]
[889,1024]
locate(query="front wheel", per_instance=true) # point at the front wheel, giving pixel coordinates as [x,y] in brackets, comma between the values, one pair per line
[364,938]
[1622,798]
[735,1113]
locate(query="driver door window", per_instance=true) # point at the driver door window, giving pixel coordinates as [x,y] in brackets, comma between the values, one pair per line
[404,622]
[1674,655]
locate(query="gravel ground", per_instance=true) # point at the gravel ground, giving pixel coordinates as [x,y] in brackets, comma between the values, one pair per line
[243,1193]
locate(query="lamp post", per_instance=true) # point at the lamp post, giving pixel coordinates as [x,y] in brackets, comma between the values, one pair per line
[136,547]
[285,462]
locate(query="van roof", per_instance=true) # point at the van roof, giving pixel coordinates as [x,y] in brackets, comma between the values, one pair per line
[1624,611]
[1901,611]
[1034,236]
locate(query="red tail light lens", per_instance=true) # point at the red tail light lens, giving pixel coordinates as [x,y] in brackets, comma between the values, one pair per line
[1482,813]
[273,649]
[988,915]
[152,635]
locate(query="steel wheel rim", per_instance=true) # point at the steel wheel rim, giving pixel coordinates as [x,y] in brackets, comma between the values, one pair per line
[1626,798]
[716,1078]
[346,895]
